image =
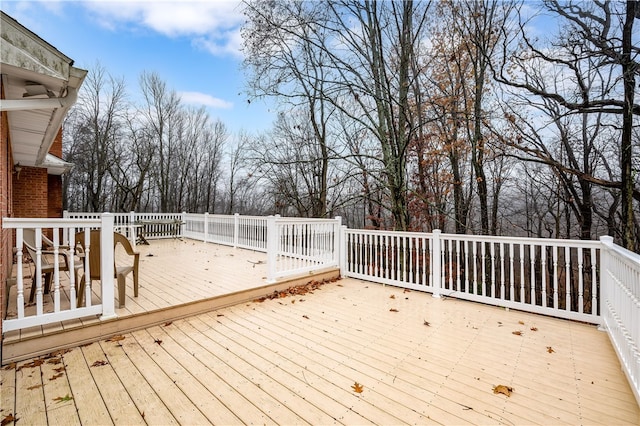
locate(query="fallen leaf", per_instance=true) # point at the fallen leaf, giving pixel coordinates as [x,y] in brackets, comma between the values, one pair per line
[427,323]
[56,376]
[406,290]
[534,328]
[521,322]
[158,341]
[357,387]
[168,323]
[117,338]
[517,333]
[392,296]
[54,361]
[59,369]
[393,310]
[506,390]
[550,349]
[304,316]
[34,387]
[9,366]
[8,420]
[99,363]
[35,363]
[63,398]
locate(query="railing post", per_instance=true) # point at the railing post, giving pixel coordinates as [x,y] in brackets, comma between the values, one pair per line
[272,248]
[337,241]
[132,229]
[605,280]
[436,267]
[183,223]
[206,226]
[342,263]
[236,229]
[106,267]
[65,230]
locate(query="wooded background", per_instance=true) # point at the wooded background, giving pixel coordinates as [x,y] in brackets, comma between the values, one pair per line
[488,117]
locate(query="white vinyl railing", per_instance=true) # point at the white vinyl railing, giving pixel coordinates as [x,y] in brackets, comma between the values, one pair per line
[48,264]
[620,307]
[248,232]
[298,246]
[552,277]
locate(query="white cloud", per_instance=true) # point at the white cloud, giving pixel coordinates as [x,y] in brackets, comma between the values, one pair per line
[214,25]
[197,98]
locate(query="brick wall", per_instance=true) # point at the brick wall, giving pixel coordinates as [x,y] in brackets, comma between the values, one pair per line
[30,197]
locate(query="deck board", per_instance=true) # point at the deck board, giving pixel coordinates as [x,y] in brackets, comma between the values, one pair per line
[294,360]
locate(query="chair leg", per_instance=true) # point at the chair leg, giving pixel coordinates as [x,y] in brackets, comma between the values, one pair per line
[122,286]
[135,283]
[32,293]
[80,291]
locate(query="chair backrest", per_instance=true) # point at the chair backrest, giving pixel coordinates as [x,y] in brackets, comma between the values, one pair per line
[94,251]
[44,260]
[29,237]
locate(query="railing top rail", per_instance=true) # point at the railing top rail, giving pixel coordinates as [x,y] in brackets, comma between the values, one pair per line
[627,254]
[304,220]
[485,238]
[524,240]
[13,222]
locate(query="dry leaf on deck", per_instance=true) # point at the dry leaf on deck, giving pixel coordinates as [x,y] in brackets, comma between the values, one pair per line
[517,333]
[54,361]
[158,341]
[99,363]
[393,310]
[550,349]
[521,322]
[306,317]
[117,338]
[8,420]
[56,376]
[357,387]
[427,323]
[393,296]
[168,323]
[63,398]
[506,390]
[534,328]
[34,387]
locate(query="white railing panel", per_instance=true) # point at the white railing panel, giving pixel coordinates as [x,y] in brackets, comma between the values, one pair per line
[297,246]
[47,262]
[621,307]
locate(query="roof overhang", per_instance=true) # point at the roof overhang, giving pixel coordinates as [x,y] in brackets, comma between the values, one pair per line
[40,86]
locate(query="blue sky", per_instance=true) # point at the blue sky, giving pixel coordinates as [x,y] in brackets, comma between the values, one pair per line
[193,46]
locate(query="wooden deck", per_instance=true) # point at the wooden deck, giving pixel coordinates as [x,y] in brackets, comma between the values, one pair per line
[295,360]
[178,278]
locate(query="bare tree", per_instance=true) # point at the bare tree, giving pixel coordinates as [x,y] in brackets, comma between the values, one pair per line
[596,55]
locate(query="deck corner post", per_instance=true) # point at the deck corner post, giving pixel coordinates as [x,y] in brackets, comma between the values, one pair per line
[605,279]
[106,267]
[436,267]
[205,229]
[183,223]
[272,248]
